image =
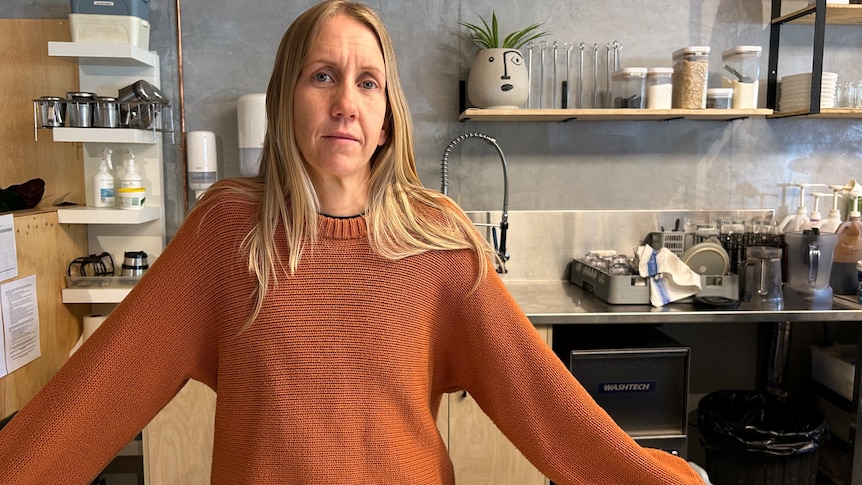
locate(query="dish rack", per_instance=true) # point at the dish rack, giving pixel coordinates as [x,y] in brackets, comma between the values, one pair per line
[143,115]
[736,243]
[633,289]
[672,240]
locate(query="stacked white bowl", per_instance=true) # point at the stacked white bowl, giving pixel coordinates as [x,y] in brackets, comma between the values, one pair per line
[795,91]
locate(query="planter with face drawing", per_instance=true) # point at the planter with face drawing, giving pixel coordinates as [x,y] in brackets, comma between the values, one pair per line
[498,79]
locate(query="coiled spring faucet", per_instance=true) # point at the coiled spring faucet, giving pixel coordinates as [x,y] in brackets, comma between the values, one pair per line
[504,222]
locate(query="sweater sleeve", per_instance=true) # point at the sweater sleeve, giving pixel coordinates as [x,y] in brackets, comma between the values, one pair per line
[131,367]
[537,403]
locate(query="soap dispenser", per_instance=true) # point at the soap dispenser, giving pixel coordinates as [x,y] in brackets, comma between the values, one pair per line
[833,220]
[814,220]
[131,178]
[844,279]
[795,222]
[103,182]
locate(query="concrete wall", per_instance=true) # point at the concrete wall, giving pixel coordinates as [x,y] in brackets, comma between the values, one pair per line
[228,48]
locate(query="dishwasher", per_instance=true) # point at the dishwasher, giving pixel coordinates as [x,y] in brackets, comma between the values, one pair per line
[636,373]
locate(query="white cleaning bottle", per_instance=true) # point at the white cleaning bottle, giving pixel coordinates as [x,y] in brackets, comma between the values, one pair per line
[131,178]
[815,219]
[833,220]
[103,182]
[794,222]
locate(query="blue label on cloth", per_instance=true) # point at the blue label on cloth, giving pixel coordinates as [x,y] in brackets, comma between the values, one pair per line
[652,265]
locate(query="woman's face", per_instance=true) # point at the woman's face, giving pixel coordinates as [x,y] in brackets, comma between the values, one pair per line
[340,103]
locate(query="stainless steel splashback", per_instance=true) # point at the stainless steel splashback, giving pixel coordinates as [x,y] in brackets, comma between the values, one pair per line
[543,243]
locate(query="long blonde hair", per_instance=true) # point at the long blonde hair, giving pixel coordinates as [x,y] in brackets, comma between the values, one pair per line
[396,229]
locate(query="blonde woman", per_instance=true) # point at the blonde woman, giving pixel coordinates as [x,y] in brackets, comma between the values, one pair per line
[330,302]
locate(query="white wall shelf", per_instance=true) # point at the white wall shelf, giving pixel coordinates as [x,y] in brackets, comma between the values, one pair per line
[93,215]
[105,135]
[105,69]
[94,295]
[104,54]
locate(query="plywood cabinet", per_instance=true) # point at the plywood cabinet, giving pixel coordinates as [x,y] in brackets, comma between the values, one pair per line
[480,453]
[44,245]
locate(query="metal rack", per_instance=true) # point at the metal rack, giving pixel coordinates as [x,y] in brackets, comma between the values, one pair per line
[818,14]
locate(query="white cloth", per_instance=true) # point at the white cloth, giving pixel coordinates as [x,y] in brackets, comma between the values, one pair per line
[670,279]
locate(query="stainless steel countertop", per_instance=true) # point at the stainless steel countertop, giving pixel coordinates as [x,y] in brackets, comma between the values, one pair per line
[561,302]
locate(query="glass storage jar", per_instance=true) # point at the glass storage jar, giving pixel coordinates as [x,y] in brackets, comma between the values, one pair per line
[659,87]
[628,87]
[690,69]
[719,98]
[741,72]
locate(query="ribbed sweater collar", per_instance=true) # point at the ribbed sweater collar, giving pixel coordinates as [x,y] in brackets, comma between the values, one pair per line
[341,228]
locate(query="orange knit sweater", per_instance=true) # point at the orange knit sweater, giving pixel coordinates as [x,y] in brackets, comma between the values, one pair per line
[337,382]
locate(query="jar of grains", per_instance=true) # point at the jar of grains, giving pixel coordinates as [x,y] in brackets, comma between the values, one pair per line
[690,69]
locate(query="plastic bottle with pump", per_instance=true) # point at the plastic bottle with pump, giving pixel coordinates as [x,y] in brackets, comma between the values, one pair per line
[103,182]
[833,220]
[131,178]
[795,222]
[844,280]
[815,219]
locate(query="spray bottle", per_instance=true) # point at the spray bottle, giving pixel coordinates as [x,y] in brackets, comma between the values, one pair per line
[795,222]
[844,280]
[131,178]
[833,220]
[103,182]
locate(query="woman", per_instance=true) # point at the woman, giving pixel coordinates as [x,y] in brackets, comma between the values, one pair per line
[331,302]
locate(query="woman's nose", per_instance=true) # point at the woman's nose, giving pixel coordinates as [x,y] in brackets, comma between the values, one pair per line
[344,102]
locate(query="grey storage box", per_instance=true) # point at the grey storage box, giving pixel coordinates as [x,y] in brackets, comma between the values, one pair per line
[640,379]
[133,8]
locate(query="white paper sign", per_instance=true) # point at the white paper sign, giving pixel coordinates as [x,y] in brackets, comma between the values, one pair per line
[8,253]
[20,322]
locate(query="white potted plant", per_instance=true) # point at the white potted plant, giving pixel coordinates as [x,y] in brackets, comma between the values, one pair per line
[498,74]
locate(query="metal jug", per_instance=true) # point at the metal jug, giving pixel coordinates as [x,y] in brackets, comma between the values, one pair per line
[134,263]
[761,278]
[809,266]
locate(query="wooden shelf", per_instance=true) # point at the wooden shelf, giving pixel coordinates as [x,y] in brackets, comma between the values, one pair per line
[105,135]
[835,15]
[103,54]
[94,215]
[824,113]
[476,114]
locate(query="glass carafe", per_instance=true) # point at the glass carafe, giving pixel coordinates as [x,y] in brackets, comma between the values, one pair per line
[809,266]
[761,278]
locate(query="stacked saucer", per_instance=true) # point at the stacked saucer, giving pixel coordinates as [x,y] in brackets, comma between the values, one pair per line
[795,91]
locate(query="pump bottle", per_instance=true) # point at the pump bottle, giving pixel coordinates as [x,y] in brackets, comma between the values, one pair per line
[795,222]
[844,279]
[833,220]
[131,178]
[103,182]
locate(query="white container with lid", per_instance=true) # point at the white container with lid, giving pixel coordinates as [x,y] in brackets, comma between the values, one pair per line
[659,87]
[628,87]
[741,72]
[719,98]
[690,69]
[132,198]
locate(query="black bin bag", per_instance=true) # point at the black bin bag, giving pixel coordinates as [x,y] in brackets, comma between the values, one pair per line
[759,438]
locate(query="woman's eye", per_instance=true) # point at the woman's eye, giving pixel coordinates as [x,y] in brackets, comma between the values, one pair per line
[368,84]
[322,77]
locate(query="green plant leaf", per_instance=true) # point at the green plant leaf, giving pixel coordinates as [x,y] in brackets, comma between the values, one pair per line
[517,39]
[487,36]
